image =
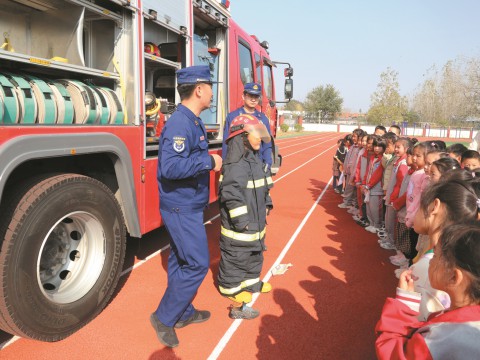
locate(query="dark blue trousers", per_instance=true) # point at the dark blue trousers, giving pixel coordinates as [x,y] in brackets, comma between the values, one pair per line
[188,264]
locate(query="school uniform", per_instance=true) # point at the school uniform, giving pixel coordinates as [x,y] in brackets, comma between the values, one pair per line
[445,335]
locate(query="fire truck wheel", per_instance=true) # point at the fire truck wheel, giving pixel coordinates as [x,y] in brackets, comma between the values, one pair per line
[61,257]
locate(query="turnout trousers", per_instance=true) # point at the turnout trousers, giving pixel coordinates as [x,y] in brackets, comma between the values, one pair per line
[188,264]
[240,271]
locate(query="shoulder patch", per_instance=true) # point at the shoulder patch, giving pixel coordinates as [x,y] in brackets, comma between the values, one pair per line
[178,143]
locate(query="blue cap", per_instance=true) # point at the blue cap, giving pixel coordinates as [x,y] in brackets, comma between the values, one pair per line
[253,88]
[194,75]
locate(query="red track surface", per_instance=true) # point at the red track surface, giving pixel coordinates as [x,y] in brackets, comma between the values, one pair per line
[324,307]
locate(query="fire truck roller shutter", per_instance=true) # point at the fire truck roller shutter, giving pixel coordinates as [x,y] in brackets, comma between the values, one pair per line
[47,109]
[102,105]
[82,102]
[64,101]
[27,102]
[116,115]
[11,110]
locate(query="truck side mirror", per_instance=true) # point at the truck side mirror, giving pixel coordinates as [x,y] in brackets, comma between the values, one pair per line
[288,89]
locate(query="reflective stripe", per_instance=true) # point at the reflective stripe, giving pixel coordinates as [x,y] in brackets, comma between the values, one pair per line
[269,180]
[255,184]
[238,211]
[241,236]
[220,179]
[242,285]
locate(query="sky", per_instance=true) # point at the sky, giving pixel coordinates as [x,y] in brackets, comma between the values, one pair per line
[348,43]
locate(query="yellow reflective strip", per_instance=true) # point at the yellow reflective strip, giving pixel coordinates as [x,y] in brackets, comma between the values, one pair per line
[249,282]
[241,236]
[269,180]
[255,184]
[220,179]
[229,291]
[234,290]
[238,211]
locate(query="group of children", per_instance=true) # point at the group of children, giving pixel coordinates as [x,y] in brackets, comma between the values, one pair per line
[421,199]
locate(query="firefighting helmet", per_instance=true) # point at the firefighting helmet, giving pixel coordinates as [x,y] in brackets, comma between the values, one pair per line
[246,123]
[151,48]
[152,104]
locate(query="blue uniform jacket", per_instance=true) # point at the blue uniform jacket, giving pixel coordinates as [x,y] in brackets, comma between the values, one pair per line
[183,163]
[265,152]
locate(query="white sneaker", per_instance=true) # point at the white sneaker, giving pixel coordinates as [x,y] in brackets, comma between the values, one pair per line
[372,229]
[387,246]
[400,262]
[356,217]
[343,206]
[398,256]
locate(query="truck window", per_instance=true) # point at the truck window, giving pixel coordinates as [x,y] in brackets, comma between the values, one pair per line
[268,81]
[246,66]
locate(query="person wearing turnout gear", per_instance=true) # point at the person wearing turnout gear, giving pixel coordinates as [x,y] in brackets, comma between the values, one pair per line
[244,205]
[183,175]
[252,93]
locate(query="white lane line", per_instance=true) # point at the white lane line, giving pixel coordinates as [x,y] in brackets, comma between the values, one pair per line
[231,330]
[305,163]
[9,342]
[293,138]
[299,151]
[304,142]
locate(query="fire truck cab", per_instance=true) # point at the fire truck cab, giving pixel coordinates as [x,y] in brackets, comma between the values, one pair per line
[85,89]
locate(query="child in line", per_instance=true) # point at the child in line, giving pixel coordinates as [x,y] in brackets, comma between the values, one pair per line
[388,161]
[470,160]
[244,205]
[373,189]
[355,211]
[402,234]
[442,166]
[362,166]
[434,152]
[400,168]
[418,182]
[350,194]
[443,204]
[337,166]
[451,334]
[456,150]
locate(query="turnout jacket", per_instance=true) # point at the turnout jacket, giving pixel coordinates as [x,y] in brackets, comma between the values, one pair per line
[244,198]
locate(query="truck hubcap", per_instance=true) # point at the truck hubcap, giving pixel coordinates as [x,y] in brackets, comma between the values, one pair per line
[71,258]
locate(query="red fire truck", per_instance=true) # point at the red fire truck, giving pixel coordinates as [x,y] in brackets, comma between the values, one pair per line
[85,88]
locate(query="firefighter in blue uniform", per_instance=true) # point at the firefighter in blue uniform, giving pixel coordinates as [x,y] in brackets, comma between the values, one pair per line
[183,181]
[251,97]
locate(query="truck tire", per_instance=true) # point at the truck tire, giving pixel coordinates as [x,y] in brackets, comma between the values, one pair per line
[61,256]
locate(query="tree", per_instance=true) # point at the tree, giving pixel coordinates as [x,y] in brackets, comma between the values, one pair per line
[387,103]
[452,95]
[324,102]
[293,105]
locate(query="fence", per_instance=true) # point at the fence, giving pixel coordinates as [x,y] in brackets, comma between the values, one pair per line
[414,130]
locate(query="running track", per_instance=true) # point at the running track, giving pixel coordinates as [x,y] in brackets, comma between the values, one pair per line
[324,307]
